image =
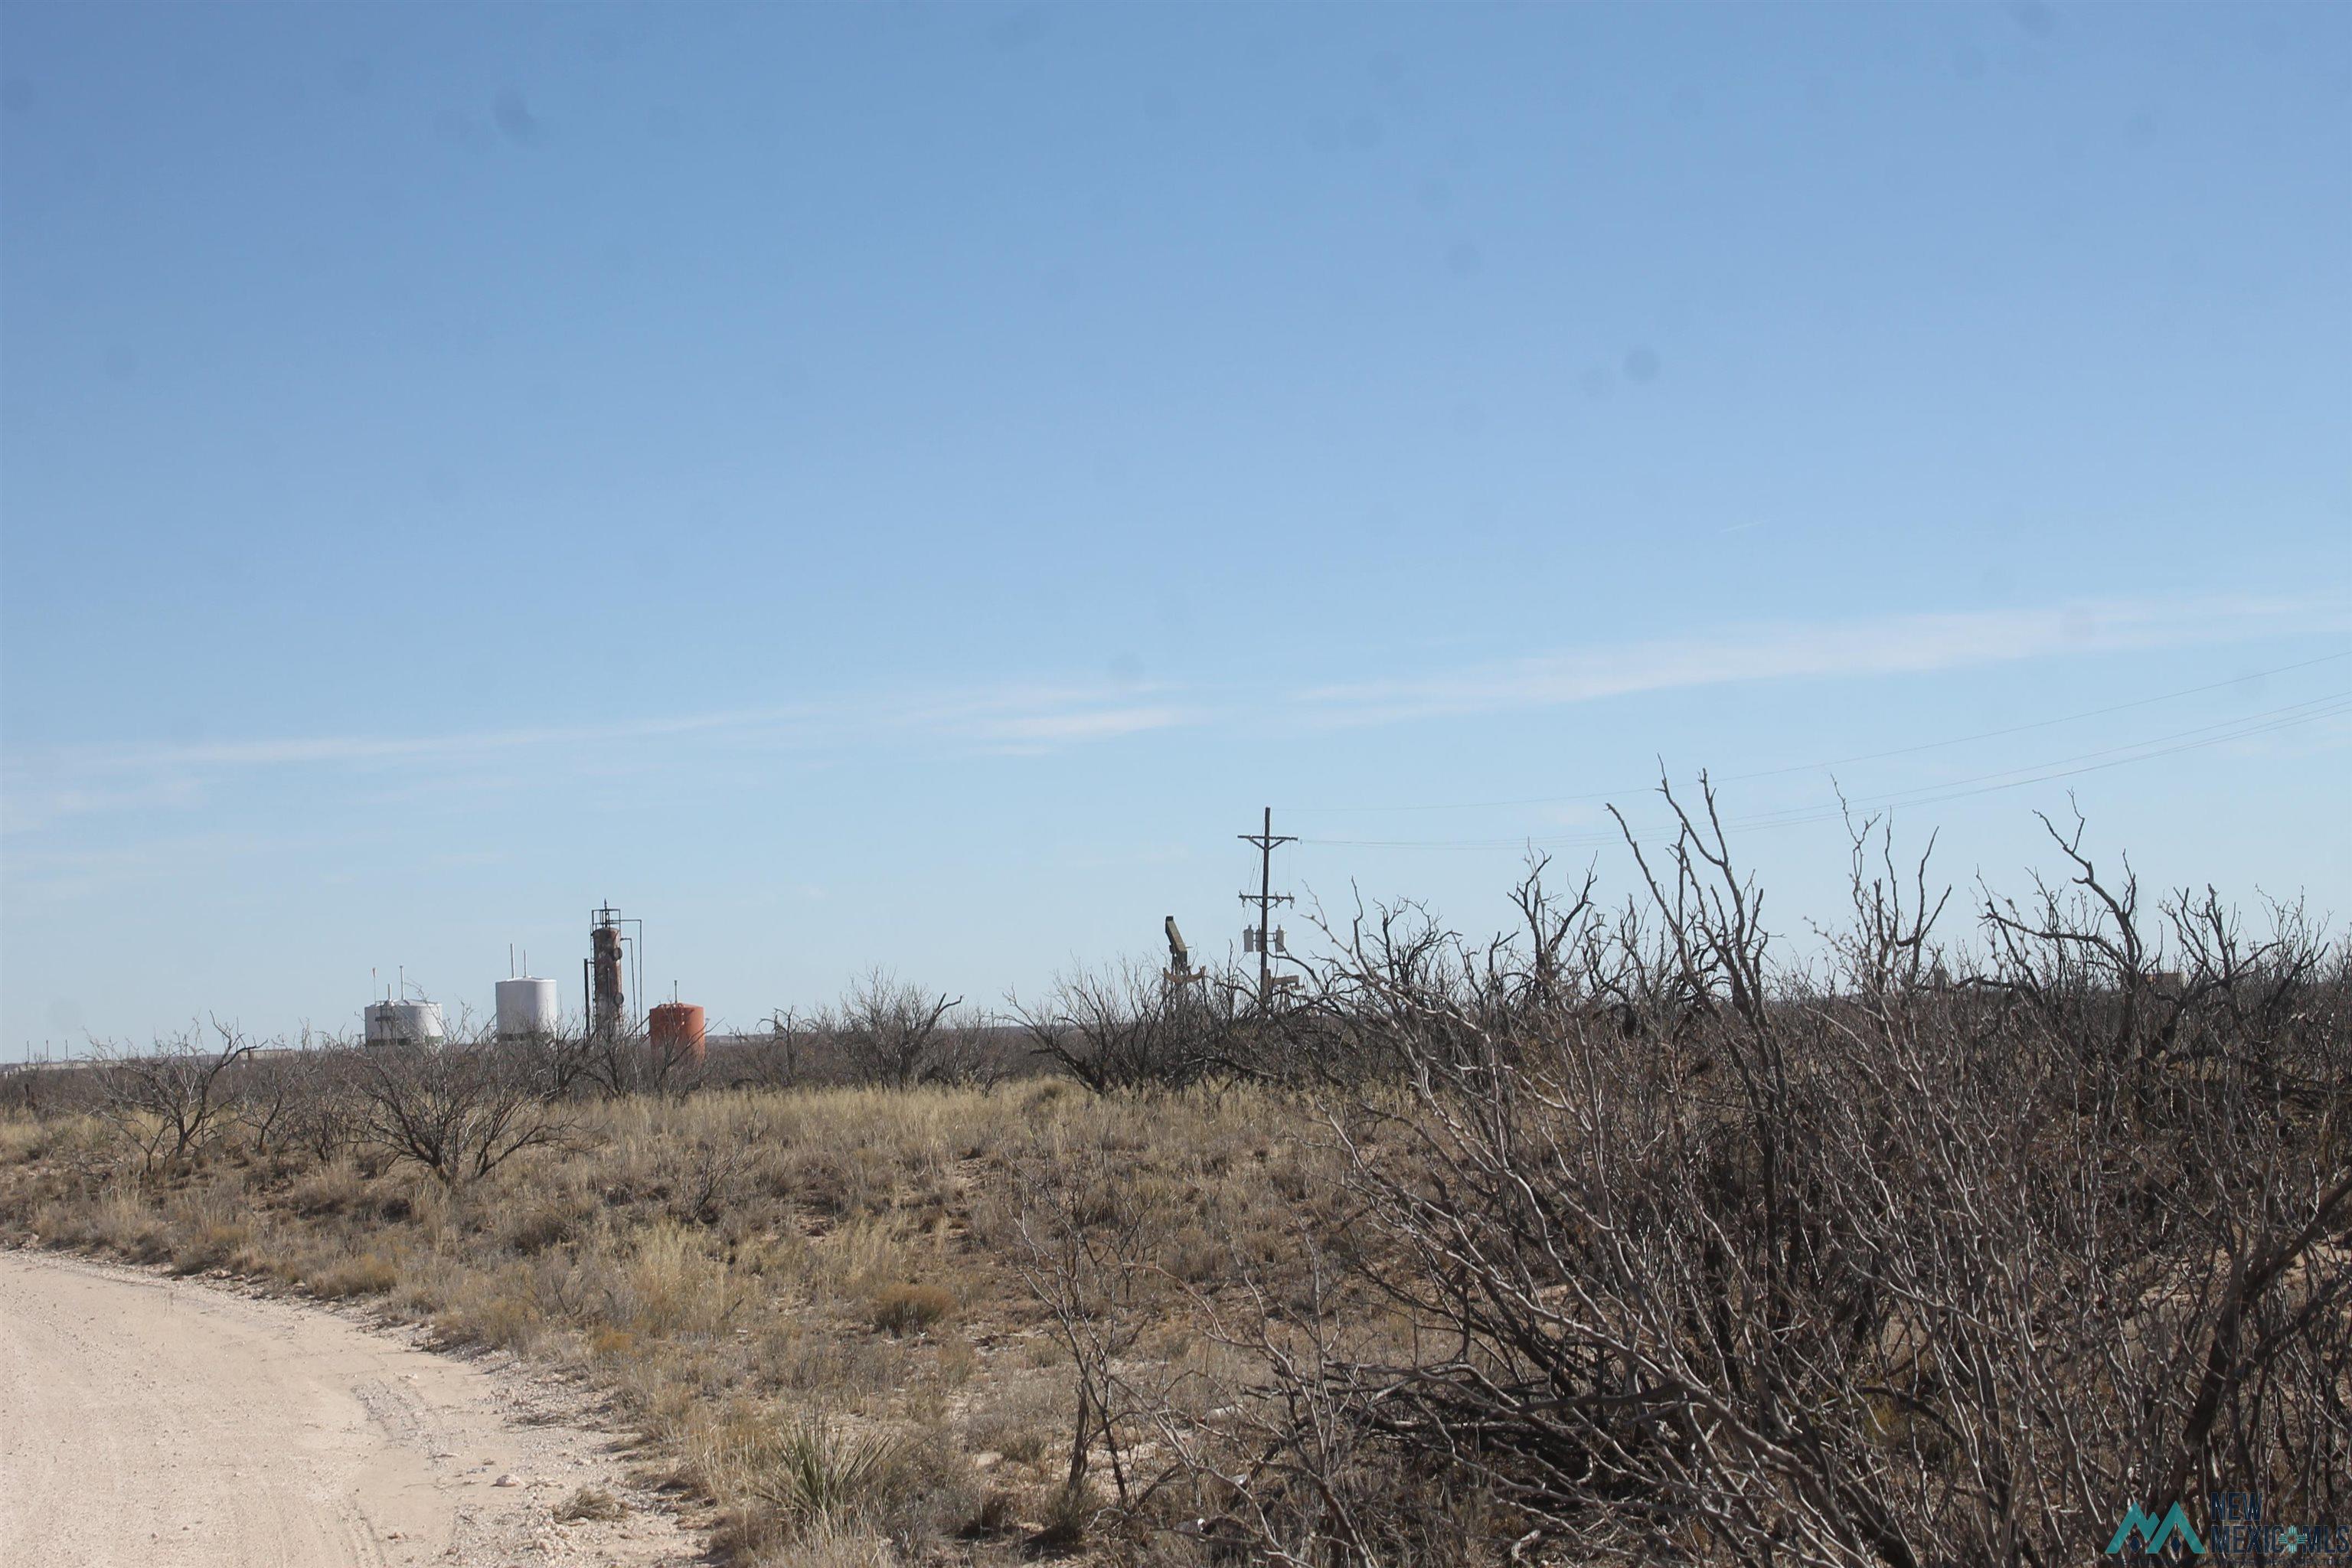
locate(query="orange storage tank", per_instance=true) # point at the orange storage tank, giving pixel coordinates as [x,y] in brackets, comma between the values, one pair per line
[675,1029]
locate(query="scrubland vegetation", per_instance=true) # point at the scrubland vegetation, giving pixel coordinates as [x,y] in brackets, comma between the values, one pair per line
[1623,1238]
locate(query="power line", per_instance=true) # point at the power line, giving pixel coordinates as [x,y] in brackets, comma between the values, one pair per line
[1919,796]
[2224,724]
[1832,763]
[1924,795]
[1265,898]
[2237,729]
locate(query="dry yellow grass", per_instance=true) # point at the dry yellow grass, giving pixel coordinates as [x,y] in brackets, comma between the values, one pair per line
[810,1303]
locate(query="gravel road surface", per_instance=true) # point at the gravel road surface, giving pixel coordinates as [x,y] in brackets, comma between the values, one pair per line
[184,1424]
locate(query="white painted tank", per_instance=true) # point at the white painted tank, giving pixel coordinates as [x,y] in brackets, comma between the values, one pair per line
[403,1024]
[527,1006]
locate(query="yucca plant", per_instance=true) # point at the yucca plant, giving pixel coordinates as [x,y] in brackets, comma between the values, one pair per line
[827,1476]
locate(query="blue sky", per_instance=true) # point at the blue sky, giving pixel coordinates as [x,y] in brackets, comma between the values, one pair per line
[907,485]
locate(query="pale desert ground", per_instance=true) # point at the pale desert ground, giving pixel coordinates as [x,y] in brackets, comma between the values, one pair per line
[182,1424]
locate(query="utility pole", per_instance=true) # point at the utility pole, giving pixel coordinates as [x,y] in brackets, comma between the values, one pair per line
[1265,898]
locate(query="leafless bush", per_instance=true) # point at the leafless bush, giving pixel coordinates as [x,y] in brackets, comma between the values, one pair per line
[289,1099]
[460,1111]
[708,1170]
[170,1101]
[1706,1261]
[779,1055]
[563,1061]
[898,1034]
[1084,1257]
[1126,1027]
[1286,1469]
[620,1063]
[324,1113]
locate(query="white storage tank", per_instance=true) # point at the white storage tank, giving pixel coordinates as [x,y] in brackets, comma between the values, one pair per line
[527,1006]
[403,1024]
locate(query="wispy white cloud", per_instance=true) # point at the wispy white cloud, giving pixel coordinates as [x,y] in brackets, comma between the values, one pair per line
[1091,724]
[44,788]
[1889,645]
[63,782]
[60,872]
[27,802]
[301,750]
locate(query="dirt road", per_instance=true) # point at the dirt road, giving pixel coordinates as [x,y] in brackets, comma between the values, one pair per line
[176,1423]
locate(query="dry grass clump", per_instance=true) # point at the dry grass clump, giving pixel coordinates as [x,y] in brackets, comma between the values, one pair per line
[71,1137]
[107,1216]
[902,1309]
[336,1186]
[357,1274]
[590,1502]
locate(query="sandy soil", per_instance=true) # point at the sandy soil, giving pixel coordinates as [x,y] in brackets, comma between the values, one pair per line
[184,1423]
